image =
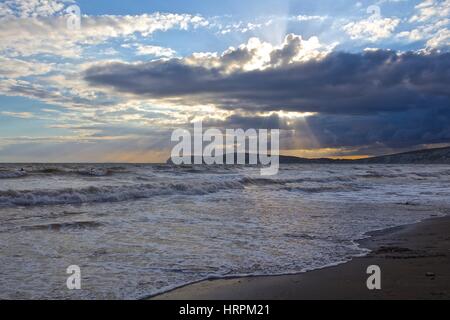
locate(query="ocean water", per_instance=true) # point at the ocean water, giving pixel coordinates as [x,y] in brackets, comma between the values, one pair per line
[137,230]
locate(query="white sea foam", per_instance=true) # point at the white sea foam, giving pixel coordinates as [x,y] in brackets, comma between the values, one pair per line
[12,174]
[136,230]
[110,193]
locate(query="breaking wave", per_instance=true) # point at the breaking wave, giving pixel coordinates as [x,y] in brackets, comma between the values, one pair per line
[94,172]
[147,190]
[265,181]
[12,174]
[109,193]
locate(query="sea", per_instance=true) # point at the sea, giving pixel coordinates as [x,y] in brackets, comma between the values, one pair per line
[136,230]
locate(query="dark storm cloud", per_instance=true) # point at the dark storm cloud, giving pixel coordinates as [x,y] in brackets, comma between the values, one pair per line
[363,101]
[342,83]
[365,134]
[398,130]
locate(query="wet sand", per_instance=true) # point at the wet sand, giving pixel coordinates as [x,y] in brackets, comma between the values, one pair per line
[414,262]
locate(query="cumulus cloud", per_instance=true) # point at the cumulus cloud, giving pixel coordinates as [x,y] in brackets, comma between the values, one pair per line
[376,98]
[32,8]
[338,82]
[259,55]
[50,34]
[429,10]
[371,29]
[431,22]
[155,51]
[440,39]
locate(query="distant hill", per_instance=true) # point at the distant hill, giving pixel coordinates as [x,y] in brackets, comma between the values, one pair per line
[283,159]
[426,156]
[431,156]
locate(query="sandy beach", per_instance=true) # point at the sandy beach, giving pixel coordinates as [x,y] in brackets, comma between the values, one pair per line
[414,262]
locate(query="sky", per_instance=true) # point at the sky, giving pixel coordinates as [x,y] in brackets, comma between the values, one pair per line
[339,78]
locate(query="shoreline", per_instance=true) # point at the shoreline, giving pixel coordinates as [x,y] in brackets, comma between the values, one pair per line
[414,261]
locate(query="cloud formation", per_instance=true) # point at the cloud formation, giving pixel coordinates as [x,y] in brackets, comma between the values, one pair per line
[117,76]
[371,29]
[156,51]
[374,98]
[431,22]
[429,10]
[32,8]
[27,36]
[335,83]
